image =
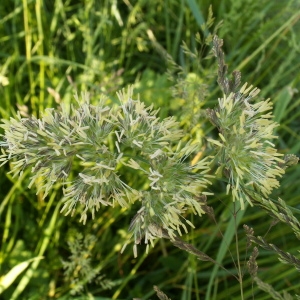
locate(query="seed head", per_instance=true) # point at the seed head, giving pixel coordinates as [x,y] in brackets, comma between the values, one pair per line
[245,151]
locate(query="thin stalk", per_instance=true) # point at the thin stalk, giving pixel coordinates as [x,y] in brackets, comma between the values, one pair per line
[39,11]
[28,44]
[240,275]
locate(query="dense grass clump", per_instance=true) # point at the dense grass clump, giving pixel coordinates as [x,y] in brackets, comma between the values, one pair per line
[185,157]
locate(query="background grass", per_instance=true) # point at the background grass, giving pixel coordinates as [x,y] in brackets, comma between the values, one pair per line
[50,49]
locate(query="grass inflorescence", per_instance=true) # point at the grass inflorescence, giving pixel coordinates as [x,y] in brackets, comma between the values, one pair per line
[143,170]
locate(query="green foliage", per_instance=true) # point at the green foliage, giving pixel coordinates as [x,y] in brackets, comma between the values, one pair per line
[79,270]
[51,49]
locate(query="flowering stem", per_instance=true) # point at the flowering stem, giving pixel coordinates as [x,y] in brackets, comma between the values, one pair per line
[240,275]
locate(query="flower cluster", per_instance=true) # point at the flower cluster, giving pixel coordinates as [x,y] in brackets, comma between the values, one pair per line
[246,155]
[97,141]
